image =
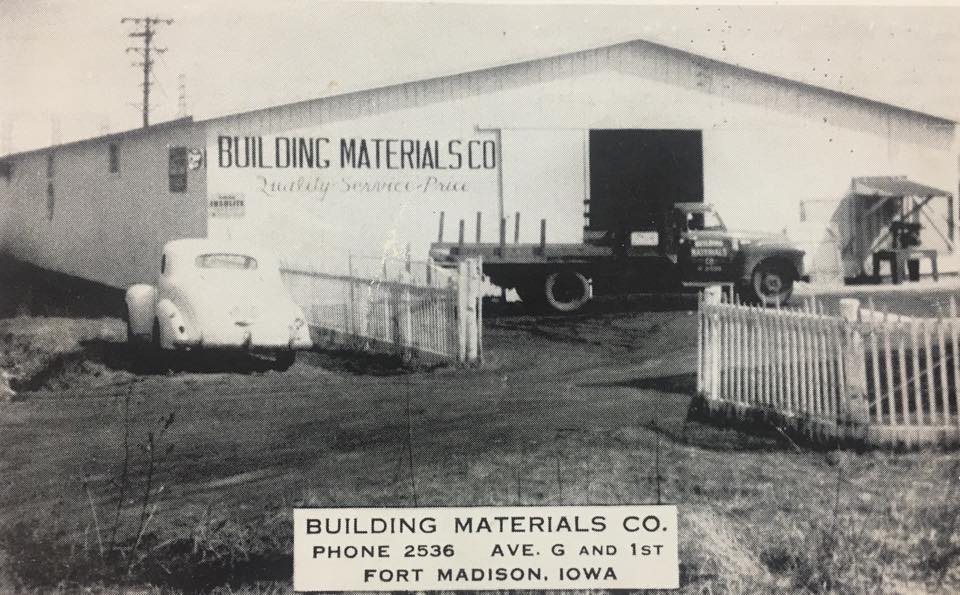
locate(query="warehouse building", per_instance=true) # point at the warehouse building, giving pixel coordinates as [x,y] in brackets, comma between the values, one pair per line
[583,140]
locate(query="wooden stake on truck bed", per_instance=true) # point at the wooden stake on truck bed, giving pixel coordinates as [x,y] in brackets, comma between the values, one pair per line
[503,235]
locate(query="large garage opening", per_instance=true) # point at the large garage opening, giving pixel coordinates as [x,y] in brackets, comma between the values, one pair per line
[636,175]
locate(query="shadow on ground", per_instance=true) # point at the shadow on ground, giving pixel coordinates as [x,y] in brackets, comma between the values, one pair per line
[32,291]
[620,304]
[99,357]
[675,411]
[685,384]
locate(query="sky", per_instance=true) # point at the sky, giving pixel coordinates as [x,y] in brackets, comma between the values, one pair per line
[65,74]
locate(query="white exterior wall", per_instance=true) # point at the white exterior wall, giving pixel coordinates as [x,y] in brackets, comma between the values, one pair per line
[106,227]
[768,146]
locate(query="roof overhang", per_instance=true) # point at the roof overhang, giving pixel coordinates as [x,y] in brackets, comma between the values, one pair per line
[894,187]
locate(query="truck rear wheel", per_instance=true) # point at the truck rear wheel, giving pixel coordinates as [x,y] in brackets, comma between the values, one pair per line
[531,295]
[771,284]
[566,291]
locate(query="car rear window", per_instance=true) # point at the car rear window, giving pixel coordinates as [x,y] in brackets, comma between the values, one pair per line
[226,261]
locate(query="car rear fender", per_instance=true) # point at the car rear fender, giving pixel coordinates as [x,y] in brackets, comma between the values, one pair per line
[174,326]
[141,308]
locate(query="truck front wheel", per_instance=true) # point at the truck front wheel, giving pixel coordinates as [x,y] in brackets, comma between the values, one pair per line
[771,284]
[566,291]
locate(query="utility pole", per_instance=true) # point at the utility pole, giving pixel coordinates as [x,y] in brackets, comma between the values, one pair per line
[55,134]
[182,104]
[147,34]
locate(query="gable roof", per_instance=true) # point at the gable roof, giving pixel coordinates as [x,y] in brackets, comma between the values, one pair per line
[494,70]
[113,136]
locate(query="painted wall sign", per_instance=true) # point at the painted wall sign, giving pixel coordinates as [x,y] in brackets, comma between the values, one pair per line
[294,152]
[313,194]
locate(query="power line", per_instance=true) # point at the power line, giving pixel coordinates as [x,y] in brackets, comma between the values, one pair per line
[147,33]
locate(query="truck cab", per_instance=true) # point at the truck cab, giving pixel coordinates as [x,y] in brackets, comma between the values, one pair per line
[761,267]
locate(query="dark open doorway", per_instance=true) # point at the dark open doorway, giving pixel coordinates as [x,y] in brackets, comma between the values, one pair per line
[636,175]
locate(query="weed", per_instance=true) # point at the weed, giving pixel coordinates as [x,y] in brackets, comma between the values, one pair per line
[939,545]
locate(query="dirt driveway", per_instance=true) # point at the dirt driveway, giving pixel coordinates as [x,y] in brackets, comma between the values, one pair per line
[272,431]
[565,410]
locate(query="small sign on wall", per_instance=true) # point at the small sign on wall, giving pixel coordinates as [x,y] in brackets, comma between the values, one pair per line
[195,159]
[226,206]
[644,238]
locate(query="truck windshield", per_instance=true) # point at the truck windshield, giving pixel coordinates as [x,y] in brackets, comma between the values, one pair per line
[226,261]
[705,221]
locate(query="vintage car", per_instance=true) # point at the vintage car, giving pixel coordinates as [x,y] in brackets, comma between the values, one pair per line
[217,295]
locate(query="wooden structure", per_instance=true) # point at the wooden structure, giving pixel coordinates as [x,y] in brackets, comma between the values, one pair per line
[861,374]
[898,259]
[879,204]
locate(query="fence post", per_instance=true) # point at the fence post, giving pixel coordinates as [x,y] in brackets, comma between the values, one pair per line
[855,408]
[503,236]
[406,320]
[463,276]
[712,295]
[473,328]
[351,298]
[478,300]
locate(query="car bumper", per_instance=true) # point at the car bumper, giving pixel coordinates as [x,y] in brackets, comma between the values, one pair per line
[247,341]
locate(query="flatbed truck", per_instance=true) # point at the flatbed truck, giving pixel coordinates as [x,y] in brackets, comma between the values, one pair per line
[693,248]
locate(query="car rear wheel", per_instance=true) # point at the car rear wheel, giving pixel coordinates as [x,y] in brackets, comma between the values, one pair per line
[134,341]
[284,359]
[137,349]
[566,291]
[772,284]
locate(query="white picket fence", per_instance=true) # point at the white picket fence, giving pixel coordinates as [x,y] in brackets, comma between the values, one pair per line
[418,309]
[859,373]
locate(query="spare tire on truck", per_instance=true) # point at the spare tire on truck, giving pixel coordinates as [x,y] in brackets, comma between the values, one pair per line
[566,290]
